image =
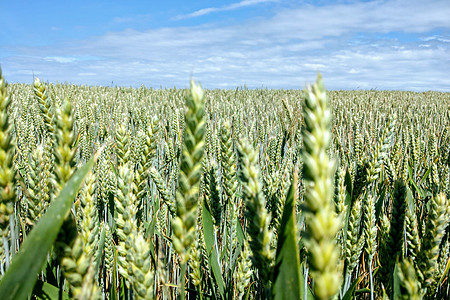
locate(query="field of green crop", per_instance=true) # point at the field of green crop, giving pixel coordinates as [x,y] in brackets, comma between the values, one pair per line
[123,193]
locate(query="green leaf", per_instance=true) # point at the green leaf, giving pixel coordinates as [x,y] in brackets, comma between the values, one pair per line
[21,276]
[379,203]
[396,290]
[287,266]
[46,291]
[240,233]
[113,288]
[411,202]
[349,294]
[208,232]
[426,175]
[348,199]
[348,186]
[151,230]
[446,271]
[414,185]
[101,245]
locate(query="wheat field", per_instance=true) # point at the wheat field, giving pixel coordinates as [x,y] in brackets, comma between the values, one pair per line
[138,193]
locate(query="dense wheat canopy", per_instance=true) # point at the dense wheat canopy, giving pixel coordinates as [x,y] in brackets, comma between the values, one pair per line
[224,194]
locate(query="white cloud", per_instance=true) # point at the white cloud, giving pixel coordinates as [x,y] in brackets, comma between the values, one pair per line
[282,51]
[315,67]
[133,19]
[436,38]
[60,59]
[233,6]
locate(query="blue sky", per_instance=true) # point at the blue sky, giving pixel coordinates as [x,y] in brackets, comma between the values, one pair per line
[398,44]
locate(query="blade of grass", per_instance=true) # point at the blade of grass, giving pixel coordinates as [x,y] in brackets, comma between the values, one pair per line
[46,291]
[208,231]
[349,294]
[396,293]
[101,245]
[287,267]
[22,274]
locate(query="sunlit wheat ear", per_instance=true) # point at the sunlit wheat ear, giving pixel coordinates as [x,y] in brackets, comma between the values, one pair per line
[244,271]
[79,270]
[143,274]
[7,171]
[370,233]
[162,190]
[390,248]
[65,150]
[122,145]
[148,152]
[76,265]
[125,221]
[258,219]
[434,231]
[341,208]
[410,287]
[46,107]
[211,194]
[47,114]
[89,224]
[187,194]
[321,221]
[354,242]
[109,249]
[411,232]
[228,162]
[381,151]
[37,191]
[195,260]
[190,171]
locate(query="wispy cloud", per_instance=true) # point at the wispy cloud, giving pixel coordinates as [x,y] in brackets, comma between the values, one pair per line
[133,19]
[436,38]
[233,6]
[354,46]
[60,59]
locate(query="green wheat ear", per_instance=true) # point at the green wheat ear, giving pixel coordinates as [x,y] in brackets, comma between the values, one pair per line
[410,287]
[322,224]
[7,170]
[76,264]
[256,214]
[434,231]
[190,172]
[183,224]
[65,150]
